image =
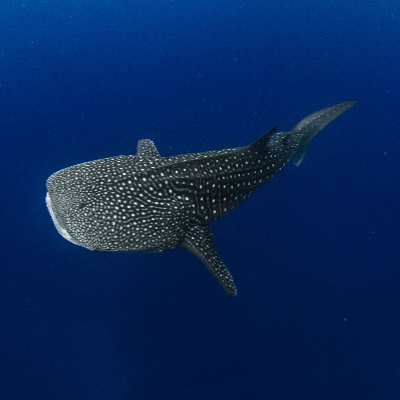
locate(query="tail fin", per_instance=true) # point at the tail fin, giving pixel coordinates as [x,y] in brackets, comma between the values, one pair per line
[309,126]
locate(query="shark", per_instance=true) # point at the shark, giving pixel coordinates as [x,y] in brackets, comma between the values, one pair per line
[149,203]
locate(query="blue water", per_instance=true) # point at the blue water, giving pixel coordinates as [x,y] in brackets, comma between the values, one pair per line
[314,253]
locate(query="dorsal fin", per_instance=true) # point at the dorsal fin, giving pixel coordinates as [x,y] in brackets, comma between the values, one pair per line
[264,139]
[147,149]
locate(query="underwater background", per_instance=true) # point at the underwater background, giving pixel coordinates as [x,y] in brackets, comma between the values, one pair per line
[314,253]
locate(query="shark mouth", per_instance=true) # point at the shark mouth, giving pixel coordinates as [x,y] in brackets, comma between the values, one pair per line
[58,223]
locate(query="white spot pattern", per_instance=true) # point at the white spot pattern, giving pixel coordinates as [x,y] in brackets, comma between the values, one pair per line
[112,204]
[149,203]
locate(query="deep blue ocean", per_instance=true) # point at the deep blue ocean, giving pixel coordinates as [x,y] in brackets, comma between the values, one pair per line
[315,252]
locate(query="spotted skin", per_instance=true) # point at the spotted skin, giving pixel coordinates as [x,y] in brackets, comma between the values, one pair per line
[146,202]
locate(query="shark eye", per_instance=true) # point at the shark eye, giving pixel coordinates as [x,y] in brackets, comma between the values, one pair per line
[83,205]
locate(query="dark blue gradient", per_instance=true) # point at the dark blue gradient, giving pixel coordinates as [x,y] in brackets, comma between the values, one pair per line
[314,253]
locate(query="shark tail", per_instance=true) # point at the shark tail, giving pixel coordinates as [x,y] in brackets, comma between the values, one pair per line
[309,126]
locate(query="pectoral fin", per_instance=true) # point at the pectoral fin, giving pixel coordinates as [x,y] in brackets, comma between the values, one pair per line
[199,241]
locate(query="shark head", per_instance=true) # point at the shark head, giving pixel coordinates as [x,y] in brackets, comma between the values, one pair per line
[120,203]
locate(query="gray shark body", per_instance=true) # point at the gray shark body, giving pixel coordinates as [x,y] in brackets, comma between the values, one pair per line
[146,202]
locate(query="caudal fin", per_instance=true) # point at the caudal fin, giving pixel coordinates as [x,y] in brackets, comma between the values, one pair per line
[309,126]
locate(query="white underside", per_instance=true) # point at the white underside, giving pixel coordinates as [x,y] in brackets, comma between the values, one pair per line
[59,225]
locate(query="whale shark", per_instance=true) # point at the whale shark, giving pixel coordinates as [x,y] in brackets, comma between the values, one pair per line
[146,202]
